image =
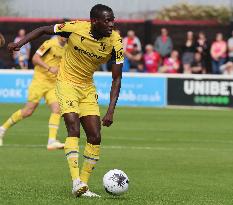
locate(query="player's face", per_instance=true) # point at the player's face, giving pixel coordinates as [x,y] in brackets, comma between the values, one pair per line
[63,39]
[105,23]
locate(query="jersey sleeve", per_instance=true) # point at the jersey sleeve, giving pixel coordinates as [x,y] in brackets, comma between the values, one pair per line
[117,51]
[65,29]
[44,48]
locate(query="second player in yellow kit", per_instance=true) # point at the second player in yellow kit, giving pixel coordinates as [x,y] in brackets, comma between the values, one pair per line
[45,72]
[47,61]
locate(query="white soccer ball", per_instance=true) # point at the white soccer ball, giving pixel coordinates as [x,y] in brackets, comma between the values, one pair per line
[115,182]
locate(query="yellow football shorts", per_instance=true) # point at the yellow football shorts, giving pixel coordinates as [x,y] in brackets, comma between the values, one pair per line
[80,100]
[39,90]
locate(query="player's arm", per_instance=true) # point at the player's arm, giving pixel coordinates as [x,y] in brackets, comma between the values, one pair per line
[49,30]
[114,93]
[37,60]
[117,63]
[38,57]
[64,29]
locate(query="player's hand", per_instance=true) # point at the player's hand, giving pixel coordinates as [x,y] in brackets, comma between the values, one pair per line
[13,47]
[53,70]
[107,120]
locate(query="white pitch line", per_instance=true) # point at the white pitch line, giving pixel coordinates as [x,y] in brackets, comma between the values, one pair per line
[166,148]
[139,138]
[129,147]
[24,145]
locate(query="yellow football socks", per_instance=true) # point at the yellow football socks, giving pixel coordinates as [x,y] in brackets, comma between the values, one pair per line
[13,119]
[54,122]
[72,151]
[91,156]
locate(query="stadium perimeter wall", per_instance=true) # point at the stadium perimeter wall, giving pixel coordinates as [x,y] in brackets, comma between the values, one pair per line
[147,31]
[153,90]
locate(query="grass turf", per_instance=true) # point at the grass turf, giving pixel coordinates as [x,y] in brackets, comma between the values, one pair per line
[171,157]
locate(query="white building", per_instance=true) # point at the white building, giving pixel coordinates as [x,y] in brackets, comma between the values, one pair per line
[81,8]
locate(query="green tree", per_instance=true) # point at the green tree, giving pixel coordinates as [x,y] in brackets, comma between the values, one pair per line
[5,8]
[185,11]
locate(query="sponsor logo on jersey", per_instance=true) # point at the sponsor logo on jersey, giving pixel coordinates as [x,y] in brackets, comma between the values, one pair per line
[61,26]
[102,46]
[82,38]
[119,54]
[42,48]
[86,52]
[70,103]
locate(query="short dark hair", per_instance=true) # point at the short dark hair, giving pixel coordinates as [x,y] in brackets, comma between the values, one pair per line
[98,9]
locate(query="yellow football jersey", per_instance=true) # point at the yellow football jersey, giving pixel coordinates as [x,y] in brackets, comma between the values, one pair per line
[84,54]
[51,53]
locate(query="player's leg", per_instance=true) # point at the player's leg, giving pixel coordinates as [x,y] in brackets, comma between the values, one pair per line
[35,93]
[54,120]
[17,116]
[72,123]
[90,120]
[91,125]
[68,101]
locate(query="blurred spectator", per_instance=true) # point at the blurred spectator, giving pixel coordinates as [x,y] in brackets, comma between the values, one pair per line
[2,40]
[130,41]
[133,60]
[202,46]
[171,64]
[188,51]
[218,53]
[2,43]
[198,65]
[21,57]
[227,69]
[151,59]
[230,48]
[163,44]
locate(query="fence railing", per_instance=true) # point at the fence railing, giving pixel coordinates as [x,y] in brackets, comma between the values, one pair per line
[155,90]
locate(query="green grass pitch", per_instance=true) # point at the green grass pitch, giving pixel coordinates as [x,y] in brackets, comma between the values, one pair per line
[172,156]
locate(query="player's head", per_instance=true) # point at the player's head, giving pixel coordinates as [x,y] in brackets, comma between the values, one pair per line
[102,19]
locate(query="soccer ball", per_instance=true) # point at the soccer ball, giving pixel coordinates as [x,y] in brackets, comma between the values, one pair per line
[115,182]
